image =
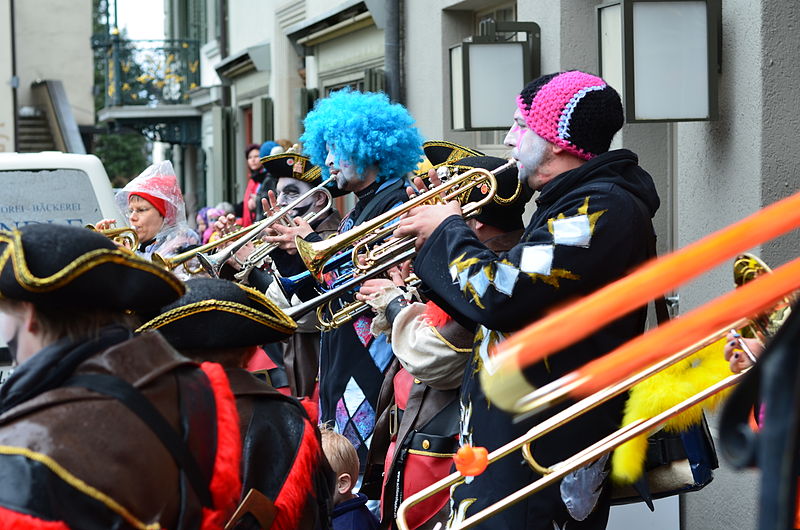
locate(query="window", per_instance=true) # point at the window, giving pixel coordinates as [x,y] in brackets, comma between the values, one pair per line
[504,13]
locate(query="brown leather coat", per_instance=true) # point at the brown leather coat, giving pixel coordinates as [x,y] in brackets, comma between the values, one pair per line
[72,455]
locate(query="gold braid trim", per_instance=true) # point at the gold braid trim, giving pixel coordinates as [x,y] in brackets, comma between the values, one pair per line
[76,268]
[430,453]
[217,305]
[448,343]
[79,485]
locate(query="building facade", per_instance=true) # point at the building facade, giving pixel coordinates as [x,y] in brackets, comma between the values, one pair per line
[263,63]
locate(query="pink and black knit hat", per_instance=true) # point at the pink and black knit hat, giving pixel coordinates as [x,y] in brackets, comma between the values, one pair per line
[574,110]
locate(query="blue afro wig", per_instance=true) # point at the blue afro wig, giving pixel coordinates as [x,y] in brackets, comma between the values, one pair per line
[364,128]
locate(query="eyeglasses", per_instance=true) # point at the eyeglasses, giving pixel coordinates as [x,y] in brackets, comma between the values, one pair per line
[138,211]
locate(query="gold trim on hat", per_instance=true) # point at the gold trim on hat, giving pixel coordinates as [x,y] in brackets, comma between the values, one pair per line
[279,322]
[79,266]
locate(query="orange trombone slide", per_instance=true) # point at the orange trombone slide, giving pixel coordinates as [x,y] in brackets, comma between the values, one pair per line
[506,386]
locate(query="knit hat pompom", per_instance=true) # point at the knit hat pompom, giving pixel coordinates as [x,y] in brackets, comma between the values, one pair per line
[574,110]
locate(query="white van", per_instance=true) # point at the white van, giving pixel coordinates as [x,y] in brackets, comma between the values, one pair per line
[52,187]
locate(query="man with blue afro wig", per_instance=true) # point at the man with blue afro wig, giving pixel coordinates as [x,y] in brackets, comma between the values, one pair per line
[369,145]
[363,129]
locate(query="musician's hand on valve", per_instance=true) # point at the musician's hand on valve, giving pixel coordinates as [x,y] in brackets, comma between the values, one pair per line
[225,224]
[370,288]
[421,221]
[285,235]
[736,356]
[434,179]
[105,224]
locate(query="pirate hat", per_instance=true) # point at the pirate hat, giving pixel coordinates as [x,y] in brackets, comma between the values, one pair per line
[293,165]
[72,267]
[441,152]
[218,313]
[506,208]
[297,166]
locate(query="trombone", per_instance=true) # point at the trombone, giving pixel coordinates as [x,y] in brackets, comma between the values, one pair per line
[212,263]
[617,371]
[363,240]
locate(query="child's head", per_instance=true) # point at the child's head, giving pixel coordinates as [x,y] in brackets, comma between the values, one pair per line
[343,459]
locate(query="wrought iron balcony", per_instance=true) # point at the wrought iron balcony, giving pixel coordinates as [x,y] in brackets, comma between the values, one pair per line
[148,72]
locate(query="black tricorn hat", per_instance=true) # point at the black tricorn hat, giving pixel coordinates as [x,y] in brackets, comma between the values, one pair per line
[73,267]
[217,314]
[441,152]
[293,165]
[506,209]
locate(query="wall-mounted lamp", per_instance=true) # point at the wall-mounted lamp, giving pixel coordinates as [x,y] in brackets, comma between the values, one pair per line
[487,73]
[663,57]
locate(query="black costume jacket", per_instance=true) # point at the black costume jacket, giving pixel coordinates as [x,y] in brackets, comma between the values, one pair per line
[74,458]
[592,225]
[352,361]
[281,455]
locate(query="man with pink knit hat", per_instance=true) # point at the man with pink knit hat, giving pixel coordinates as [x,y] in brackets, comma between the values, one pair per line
[592,224]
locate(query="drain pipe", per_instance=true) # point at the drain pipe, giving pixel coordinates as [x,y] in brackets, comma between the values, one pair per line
[14,78]
[393,60]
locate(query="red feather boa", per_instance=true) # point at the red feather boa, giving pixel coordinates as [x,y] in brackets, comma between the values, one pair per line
[226,484]
[298,487]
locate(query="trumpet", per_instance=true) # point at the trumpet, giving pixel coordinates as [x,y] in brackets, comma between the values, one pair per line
[125,236]
[172,262]
[347,286]
[212,263]
[363,240]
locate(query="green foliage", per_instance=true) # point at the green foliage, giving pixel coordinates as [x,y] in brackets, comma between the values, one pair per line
[123,155]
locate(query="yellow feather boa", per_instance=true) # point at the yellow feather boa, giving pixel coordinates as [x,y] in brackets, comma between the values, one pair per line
[662,391]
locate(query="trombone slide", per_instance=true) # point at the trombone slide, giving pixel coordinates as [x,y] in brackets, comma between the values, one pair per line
[546,336]
[559,470]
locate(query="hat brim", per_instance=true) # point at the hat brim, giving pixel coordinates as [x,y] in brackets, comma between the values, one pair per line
[76,268]
[215,314]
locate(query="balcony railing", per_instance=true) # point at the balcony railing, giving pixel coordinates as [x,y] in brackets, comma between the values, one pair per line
[148,72]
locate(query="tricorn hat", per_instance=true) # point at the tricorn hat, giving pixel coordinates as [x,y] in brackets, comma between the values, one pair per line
[441,152]
[217,314]
[73,267]
[506,208]
[293,165]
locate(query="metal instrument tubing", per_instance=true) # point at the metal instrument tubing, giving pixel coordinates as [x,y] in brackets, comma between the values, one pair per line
[300,310]
[213,263]
[595,451]
[557,420]
[559,470]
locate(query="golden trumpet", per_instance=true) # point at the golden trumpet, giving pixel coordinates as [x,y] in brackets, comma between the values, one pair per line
[124,236]
[368,241]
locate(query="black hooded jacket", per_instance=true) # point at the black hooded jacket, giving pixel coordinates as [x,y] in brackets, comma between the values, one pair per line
[592,226]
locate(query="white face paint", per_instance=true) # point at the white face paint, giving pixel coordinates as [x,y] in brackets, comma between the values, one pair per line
[528,149]
[343,171]
[288,190]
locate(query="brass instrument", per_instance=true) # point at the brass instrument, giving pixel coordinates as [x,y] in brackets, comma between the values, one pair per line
[363,240]
[637,428]
[124,236]
[300,310]
[213,263]
[172,262]
[351,310]
[619,370]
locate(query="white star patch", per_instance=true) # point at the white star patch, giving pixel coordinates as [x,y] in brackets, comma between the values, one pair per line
[537,259]
[505,277]
[480,283]
[572,231]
